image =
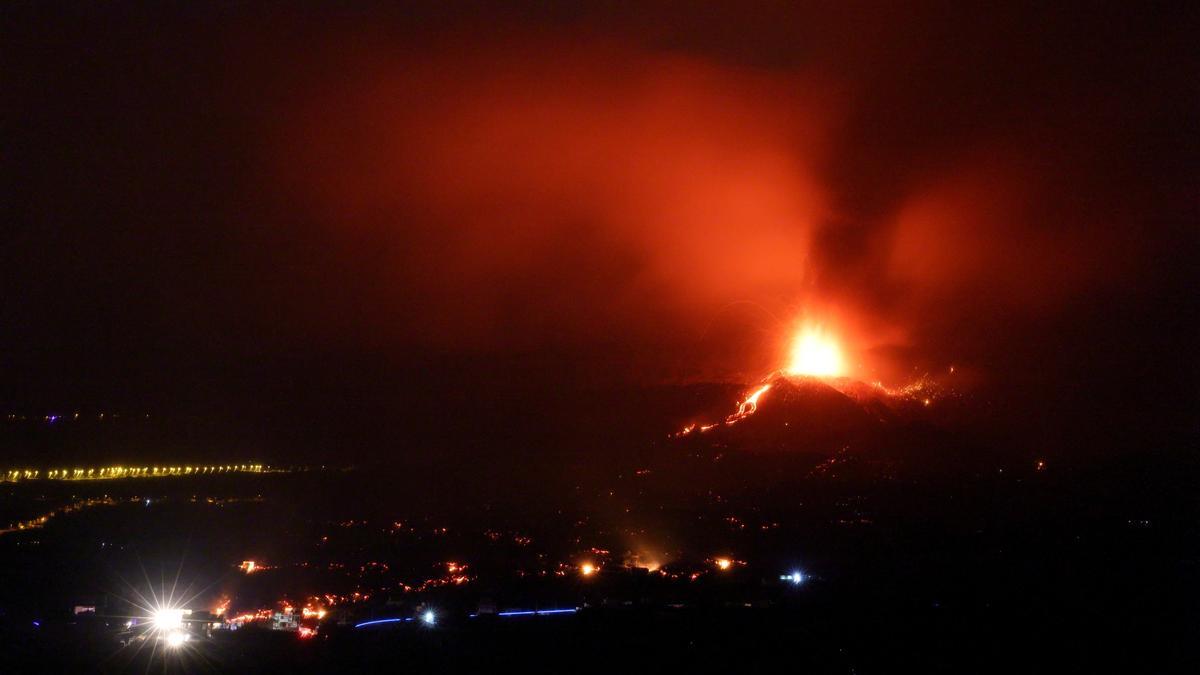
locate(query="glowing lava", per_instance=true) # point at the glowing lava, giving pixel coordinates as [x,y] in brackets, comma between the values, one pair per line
[815,352]
[747,407]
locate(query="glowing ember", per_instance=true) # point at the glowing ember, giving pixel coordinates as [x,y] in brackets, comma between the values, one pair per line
[310,612]
[814,352]
[723,563]
[587,569]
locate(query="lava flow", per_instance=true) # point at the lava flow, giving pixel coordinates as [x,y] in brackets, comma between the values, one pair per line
[746,408]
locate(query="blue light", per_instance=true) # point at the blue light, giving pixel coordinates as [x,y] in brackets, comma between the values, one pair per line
[537,612]
[37,624]
[379,621]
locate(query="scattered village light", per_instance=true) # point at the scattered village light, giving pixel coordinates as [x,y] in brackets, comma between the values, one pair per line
[429,617]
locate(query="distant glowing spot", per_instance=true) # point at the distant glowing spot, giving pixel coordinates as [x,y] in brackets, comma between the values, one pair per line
[815,353]
[177,638]
[723,563]
[795,578]
[587,569]
[429,617]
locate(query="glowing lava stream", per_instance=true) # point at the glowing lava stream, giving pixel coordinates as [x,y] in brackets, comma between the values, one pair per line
[746,408]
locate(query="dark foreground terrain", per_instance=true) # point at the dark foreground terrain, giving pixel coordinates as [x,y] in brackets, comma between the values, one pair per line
[1016,571]
[918,548]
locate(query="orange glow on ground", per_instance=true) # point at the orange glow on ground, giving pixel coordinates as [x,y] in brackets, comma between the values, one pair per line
[815,352]
[723,563]
[587,569]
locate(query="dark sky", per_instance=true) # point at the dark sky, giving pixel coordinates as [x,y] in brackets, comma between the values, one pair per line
[237,204]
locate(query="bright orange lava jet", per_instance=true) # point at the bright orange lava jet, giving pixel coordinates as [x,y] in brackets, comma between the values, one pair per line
[815,352]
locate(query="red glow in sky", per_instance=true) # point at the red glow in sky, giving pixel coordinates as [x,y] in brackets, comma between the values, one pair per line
[648,195]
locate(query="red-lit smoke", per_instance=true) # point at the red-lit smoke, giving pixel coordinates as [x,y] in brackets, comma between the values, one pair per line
[547,193]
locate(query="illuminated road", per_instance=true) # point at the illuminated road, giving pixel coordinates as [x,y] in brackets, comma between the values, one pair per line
[117,472]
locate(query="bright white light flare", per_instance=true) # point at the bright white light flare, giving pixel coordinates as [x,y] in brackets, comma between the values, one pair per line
[796,578]
[167,619]
[815,352]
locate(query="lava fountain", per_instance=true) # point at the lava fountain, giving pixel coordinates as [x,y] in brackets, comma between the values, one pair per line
[815,352]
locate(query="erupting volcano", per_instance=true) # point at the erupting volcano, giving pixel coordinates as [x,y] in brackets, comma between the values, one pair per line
[812,400]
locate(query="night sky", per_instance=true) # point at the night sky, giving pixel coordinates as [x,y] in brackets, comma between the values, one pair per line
[248,207]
